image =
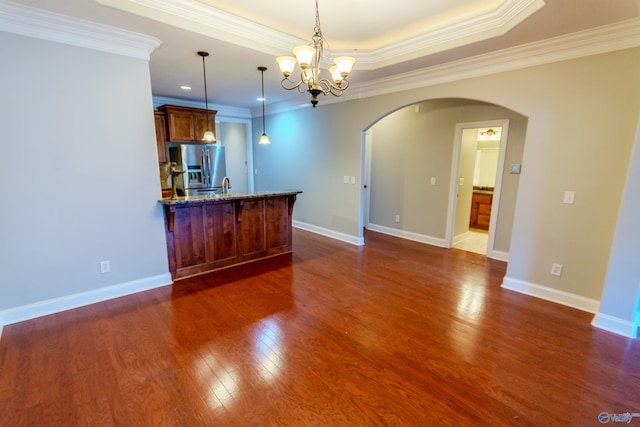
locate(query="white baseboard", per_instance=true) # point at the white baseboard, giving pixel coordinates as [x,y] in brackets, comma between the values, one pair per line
[460,238]
[55,305]
[354,240]
[553,295]
[499,255]
[615,325]
[435,241]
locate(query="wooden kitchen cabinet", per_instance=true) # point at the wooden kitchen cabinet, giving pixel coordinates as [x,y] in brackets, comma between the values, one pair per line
[185,124]
[161,136]
[480,210]
[211,233]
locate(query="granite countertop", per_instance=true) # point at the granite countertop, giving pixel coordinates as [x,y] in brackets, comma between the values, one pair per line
[483,191]
[214,197]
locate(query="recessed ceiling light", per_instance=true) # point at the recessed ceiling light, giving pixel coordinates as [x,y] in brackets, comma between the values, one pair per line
[185,87]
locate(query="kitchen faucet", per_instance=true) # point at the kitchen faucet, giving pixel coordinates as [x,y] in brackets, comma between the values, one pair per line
[226,189]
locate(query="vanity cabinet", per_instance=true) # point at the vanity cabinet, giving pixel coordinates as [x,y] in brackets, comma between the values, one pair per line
[184,124]
[480,210]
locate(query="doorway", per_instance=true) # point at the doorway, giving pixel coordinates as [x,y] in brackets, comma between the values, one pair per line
[235,136]
[478,163]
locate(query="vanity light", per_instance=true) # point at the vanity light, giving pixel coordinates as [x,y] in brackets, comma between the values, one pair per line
[208,135]
[264,139]
[489,134]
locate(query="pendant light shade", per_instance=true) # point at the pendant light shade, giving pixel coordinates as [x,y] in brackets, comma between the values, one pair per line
[264,139]
[208,136]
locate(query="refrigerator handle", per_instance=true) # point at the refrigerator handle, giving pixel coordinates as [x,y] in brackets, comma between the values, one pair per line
[185,175]
[204,168]
[209,172]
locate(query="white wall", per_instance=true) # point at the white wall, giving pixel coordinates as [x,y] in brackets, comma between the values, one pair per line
[233,136]
[410,147]
[621,294]
[582,120]
[79,177]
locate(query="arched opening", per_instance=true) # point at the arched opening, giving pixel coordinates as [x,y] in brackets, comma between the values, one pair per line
[410,159]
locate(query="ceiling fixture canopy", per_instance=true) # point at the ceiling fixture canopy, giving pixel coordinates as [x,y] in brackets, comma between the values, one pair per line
[208,135]
[309,57]
[264,139]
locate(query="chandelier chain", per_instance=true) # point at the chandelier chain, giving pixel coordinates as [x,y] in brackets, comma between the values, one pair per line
[317,28]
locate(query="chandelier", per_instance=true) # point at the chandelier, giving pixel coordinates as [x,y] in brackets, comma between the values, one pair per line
[309,57]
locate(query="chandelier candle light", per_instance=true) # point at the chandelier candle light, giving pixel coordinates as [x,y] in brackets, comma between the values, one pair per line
[264,139]
[208,135]
[309,57]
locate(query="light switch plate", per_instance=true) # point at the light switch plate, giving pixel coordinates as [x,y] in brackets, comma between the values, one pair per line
[569,197]
[105,266]
[433,180]
[345,179]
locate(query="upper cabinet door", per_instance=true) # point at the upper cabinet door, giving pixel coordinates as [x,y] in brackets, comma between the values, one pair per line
[187,124]
[161,136]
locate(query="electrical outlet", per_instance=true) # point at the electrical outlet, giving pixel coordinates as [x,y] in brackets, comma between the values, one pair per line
[105,266]
[397,218]
[556,269]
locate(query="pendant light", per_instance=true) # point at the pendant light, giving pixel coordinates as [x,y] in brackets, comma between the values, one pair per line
[208,135]
[264,139]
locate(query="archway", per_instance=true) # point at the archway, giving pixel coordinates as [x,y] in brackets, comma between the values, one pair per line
[407,162]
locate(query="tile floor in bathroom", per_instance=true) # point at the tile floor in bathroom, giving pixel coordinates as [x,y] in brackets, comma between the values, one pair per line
[475,242]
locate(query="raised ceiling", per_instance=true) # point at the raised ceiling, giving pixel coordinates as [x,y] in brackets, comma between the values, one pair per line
[377,33]
[387,38]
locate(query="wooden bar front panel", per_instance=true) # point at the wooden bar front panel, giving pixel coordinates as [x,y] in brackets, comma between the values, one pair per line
[220,231]
[251,235]
[277,227]
[206,236]
[189,236]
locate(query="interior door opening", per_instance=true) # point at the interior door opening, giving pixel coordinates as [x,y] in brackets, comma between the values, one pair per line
[478,164]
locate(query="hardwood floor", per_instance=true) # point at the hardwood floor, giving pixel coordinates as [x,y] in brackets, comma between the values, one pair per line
[393,333]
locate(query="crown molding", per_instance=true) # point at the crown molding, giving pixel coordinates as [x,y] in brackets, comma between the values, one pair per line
[223,112]
[234,29]
[492,24]
[604,39]
[41,24]
[196,16]
[609,38]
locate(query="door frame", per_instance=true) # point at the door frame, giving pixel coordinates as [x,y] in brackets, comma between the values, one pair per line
[455,172]
[366,178]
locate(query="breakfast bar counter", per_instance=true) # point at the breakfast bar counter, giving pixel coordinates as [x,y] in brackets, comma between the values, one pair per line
[207,233]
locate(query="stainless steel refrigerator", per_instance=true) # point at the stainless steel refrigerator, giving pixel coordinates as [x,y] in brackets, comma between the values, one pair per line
[204,167]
